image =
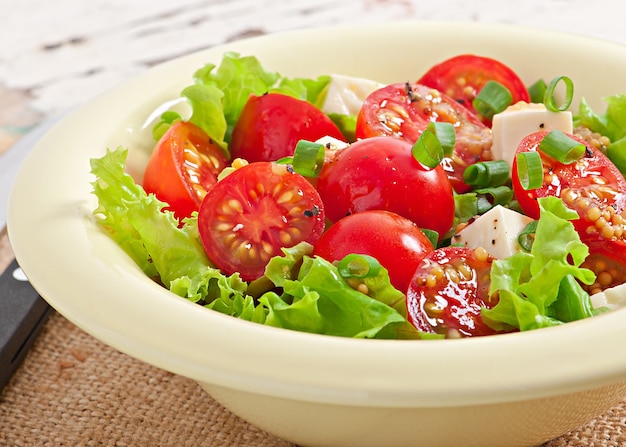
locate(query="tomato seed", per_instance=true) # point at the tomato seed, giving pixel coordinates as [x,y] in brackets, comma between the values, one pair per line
[453,275]
[604,278]
[235,205]
[285,197]
[481,254]
[465,271]
[285,238]
[594,213]
[431,280]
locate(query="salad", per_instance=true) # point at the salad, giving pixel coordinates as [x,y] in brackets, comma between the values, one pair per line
[461,204]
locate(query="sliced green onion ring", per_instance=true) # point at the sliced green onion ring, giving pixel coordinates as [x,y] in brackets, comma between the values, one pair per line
[358,266]
[537,91]
[561,147]
[530,170]
[446,135]
[435,142]
[308,158]
[479,201]
[493,98]
[526,237]
[487,173]
[549,100]
[465,206]
[498,195]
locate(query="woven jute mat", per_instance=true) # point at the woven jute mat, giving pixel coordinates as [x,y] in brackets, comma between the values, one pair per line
[73,390]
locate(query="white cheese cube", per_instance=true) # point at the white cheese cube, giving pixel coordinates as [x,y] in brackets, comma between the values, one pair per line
[496,231]
[519,120]
[332,143]
[612,298]
[346,94]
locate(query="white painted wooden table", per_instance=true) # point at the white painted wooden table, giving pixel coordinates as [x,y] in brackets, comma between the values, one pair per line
[56,54]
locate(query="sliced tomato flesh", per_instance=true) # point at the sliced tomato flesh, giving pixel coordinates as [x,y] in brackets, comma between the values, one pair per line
[590,182]
[594,188]
[404,110]
[248,216]
[607,259]
[184,164]
[448,291]
[462,78]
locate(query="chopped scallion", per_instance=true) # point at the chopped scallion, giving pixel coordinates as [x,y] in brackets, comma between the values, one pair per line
[435,142]
[487,173]
[529,169]
[537,91]
[479,201]
[498,195]
[493,98]
[527,236]
[549,99]
[308,158]
[561,147]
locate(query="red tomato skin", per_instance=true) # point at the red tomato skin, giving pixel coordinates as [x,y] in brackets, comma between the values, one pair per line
[592,171]
[249,215]
[271,125]
[591,183]
[381,173]
[462,77]
[448,305]
[396,242]
[183,150]
[404,110]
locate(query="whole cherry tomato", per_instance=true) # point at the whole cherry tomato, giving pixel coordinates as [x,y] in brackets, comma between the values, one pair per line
[271,125]
[396,242]
[381,173]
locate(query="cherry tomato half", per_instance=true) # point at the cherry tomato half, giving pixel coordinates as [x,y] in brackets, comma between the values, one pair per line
[396,242]
[249,215]
[463,77]
[594,188]
[381,173]
[593,180]
[404,110]
[271,125]
[448,291]
[182,167]
[607,259]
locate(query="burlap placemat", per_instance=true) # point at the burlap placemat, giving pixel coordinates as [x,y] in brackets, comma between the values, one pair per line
[73,390]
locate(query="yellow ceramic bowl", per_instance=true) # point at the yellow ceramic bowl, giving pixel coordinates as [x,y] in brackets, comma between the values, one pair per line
[508,390]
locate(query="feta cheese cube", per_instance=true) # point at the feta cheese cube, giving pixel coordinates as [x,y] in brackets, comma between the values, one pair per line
[519,120]
[496,231]
[332,143]
[612,298]
[346,94]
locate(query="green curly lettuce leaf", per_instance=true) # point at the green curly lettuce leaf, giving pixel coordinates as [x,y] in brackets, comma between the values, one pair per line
[611,123]
[542,288]
[219,93]
[298,292]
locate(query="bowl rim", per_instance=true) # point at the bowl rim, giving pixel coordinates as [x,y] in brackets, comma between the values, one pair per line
[71,260]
